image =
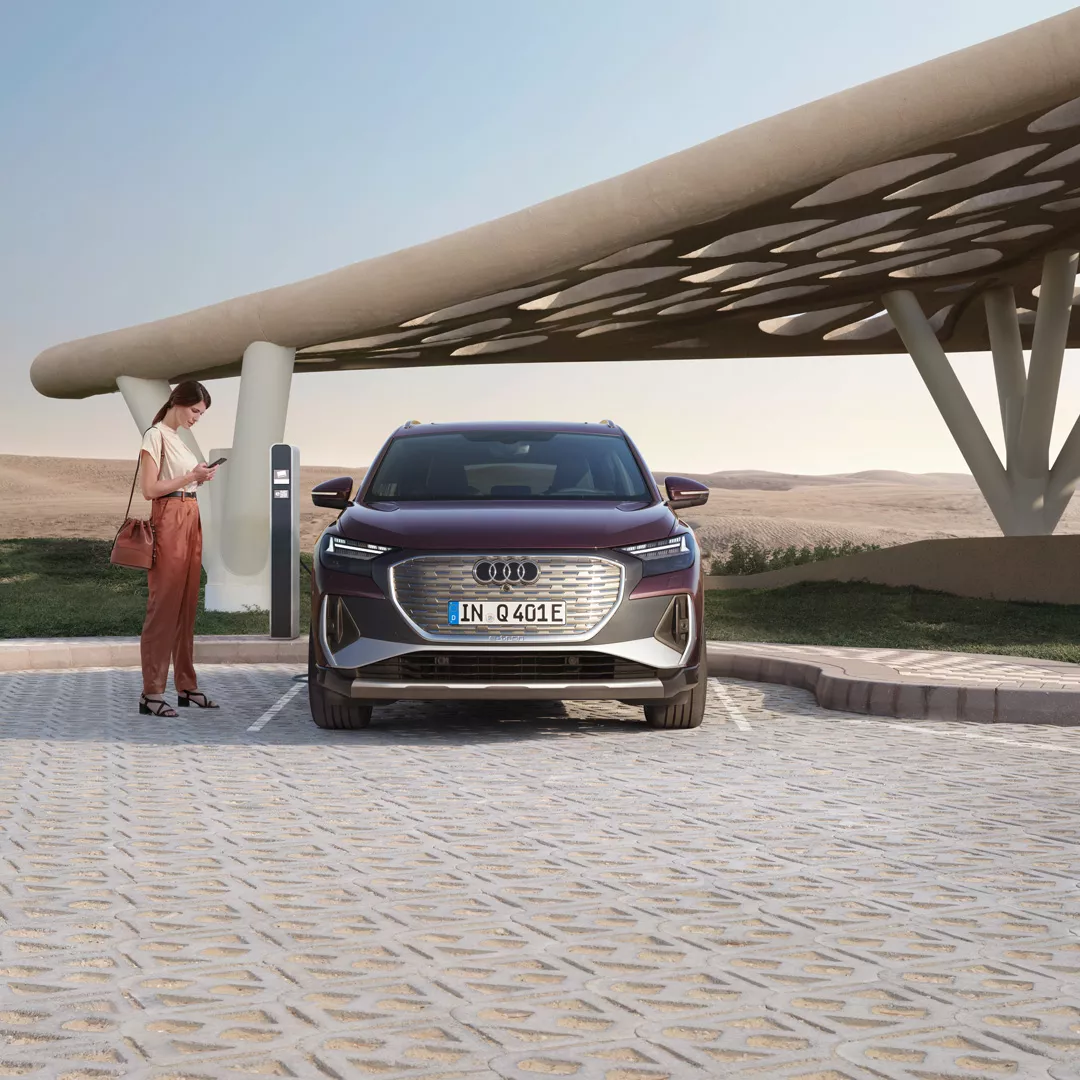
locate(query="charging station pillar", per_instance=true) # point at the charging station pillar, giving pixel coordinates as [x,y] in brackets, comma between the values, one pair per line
[284,541]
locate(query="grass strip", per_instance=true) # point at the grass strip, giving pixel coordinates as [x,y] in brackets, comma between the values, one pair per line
[861,615]
[68,588]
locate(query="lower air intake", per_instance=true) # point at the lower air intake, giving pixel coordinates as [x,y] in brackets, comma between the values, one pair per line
[505,667]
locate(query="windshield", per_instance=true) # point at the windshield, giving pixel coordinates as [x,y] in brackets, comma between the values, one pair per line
[479,465]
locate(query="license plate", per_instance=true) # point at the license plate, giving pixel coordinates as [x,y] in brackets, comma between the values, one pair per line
[506,613]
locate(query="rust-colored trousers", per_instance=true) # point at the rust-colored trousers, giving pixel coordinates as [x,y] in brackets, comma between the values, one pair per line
[169,630]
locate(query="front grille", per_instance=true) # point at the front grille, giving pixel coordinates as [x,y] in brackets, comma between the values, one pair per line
[588,584]
[505,668]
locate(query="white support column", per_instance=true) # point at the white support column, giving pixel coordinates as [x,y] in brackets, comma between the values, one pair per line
[1008,351]
[953,404]
[212,513]
[144,397]
[1064,478]
[242,506]
[1047,354]
[1028,497]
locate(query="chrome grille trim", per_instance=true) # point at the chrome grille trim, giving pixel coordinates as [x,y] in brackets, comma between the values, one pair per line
[591,586]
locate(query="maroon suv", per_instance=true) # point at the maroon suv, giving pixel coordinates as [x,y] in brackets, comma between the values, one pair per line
[507,562]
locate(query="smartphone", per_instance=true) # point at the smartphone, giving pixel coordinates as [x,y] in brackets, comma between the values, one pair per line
[215,464]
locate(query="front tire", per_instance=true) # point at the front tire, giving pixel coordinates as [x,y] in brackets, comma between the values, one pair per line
[332,711]
[689,714]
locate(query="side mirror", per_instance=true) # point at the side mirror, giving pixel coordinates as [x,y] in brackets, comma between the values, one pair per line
[682,492]
[334,494]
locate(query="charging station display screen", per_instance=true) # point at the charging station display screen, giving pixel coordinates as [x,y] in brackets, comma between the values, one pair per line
[284,541]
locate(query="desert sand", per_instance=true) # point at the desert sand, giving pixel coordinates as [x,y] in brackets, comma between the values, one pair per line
[82,497]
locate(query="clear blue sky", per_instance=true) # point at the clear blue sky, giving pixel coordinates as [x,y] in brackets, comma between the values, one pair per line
[161,156]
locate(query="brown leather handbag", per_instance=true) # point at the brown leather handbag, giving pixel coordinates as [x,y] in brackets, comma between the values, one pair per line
[134,545]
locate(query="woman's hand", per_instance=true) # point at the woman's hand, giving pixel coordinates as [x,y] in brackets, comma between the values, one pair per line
[201,473]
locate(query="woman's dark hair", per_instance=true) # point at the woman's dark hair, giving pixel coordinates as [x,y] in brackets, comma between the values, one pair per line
[185,393]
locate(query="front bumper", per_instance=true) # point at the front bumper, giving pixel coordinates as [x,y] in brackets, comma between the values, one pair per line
[370,650]
[631,691]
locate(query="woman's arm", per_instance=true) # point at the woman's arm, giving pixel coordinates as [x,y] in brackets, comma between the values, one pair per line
[153,488]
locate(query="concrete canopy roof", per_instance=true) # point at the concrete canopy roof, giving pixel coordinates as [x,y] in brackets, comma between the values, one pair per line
[777,239]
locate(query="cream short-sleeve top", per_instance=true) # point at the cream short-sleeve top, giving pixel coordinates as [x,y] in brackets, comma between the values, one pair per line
[177,460]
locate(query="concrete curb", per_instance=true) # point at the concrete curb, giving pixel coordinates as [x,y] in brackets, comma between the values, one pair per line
[859,686]
[847,685]
[65,654]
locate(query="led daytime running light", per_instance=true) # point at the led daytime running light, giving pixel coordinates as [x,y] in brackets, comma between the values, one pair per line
[659,549]
[354,549]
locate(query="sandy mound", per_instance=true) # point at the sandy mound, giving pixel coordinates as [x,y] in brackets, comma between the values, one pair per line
[69,497]
[755,480]
[83,497]
[717,534]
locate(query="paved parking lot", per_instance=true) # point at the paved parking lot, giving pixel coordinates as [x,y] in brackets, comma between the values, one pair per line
[530,892]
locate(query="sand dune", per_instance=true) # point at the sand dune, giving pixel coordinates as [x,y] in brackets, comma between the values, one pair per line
[755,480]
[70,497]
[85,497]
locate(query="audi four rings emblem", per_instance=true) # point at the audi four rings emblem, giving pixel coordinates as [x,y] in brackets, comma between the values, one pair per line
[505,572]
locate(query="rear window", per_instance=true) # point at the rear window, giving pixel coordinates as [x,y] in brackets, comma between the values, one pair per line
[486,465]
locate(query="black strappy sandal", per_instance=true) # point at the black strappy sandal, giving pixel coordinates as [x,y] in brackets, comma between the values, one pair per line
[155,706]
[184,698]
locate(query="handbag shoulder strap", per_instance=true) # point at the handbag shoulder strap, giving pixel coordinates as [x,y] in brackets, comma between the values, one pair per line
[138,466]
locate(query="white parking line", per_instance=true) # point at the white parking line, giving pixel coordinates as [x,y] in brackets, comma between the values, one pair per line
[276,707]
[724,698]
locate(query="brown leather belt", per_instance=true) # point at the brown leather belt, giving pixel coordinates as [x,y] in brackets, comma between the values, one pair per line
[179,495]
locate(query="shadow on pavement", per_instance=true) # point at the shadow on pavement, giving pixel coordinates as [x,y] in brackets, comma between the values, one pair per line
[101,707]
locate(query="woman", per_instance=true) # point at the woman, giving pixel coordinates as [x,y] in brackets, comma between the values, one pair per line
[171,474]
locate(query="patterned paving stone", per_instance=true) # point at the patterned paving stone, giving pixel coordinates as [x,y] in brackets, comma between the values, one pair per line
[796,966]
[1055,958]
[975,982]
[585,922]
[528,892]
[1049,1026]
[728,1043]
[160,990]
[201,1035]
[635,953]
[903,946]
[677,994]
[442,1050]
[636,1059]
[507,976]
[853,1010]
[365,1003]
[548,1021]
[941,1051]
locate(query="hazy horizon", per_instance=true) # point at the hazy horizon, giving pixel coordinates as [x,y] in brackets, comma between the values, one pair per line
[164,157]
[670,469]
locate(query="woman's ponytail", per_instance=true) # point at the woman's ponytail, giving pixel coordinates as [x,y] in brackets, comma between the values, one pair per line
[160,414]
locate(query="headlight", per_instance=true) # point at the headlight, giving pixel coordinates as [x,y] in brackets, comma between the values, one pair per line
[349,556]
[677,552]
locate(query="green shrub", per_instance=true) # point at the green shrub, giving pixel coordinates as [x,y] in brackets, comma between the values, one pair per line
[748,558]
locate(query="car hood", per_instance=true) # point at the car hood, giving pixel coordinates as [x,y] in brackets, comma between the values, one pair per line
[507,526]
